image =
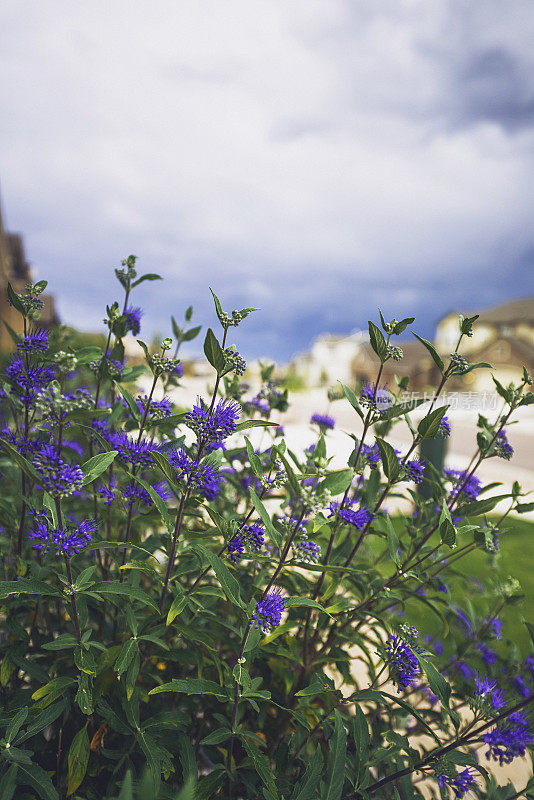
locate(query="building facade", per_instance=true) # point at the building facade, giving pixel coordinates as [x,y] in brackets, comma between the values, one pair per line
[14,269]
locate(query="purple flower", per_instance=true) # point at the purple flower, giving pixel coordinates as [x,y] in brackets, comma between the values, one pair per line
[414,470]
[269,611]
[444,429]
[521,687]
[131,450]
[27,382]
[323,421]
[503,448]
[214,426]
[508,739]
[376,398]
[133,321]
[460,783]
[307,551]
[255,536]
[64,542]
[57,477]
[485,686]
[372,454]
[257,404]
[134,493]
[495,626]
[236,547]
[359,517]
[488,656]
[472,487]
[201,477]
[35,342]
[403,664]
[107,493]
[158,409]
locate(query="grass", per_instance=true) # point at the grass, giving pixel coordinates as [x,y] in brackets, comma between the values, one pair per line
[515,559]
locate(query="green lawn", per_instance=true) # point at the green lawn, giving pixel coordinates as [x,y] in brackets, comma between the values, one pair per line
[515,559]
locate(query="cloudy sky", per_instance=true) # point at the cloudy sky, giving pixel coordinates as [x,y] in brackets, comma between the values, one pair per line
[313,158]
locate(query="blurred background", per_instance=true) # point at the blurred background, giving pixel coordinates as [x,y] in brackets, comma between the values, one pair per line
[313,159]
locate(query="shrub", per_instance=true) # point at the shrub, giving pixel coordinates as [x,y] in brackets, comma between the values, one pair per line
[186,613]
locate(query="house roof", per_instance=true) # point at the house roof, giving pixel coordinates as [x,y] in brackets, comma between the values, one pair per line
[509,313]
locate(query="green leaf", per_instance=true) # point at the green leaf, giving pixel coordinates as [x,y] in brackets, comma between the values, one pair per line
[14,724]
[124,589]
[265,518]
[481,506]
[96,465]
[504,393]
[436,681]
[390,462]
[392,541]
[433,352]
[306,789]
[402,325]
[8,783]
[126,655]
[523,508]
[130,401]
[191,686]
[164,464]
[14,299]
[150,276]
[378,343]
[254,460]
[229,584]
[218,307]
[54,688]
[22,462]
[213,352]
[353,400]
[411,710]
[289,471]
[158,501]
[336,482]
[478,365]
[217,737]
[34,776]
[429,425]
[62,642]
[307,602]
[261,764]
[78,759]
[192,333]
[255,423]
[27,586]
[337,751]
[177,606]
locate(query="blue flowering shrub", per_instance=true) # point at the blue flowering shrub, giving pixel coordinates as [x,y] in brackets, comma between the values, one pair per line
[186,613]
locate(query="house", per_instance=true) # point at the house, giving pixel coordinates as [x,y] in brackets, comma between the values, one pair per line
[330,359]
[15,269]
[503,336]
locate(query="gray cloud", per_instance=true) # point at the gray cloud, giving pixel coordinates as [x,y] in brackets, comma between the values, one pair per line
[312,158]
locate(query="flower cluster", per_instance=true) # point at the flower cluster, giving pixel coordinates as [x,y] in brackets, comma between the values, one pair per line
[403,665]
[459,782]
[269,610]
[62,541]
[509,739]
[201,477]
[35,342]
[216,425]
[324,422]
[57,477]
